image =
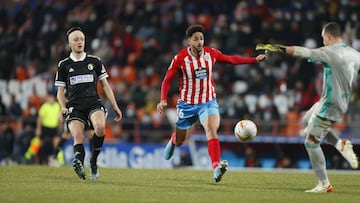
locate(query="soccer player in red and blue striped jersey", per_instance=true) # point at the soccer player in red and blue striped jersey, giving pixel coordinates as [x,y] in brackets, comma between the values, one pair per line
[197,96]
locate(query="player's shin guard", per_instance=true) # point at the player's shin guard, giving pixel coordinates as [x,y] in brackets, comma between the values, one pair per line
[214,151]
[97,143]
[79,152]
[317,160]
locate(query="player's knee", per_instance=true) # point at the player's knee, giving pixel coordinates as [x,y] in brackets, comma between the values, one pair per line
[211,134]
[78,138]
[310,143]
[99,129]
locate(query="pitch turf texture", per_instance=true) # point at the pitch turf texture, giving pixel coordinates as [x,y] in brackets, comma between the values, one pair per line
[46,184]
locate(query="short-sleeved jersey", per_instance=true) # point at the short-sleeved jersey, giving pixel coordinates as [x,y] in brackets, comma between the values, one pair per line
[49,112]
[80,78]
[341,67]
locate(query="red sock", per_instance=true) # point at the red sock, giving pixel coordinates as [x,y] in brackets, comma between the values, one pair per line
[214,151]
[173,135]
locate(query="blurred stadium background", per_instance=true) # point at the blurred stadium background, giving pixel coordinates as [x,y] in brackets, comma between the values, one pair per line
[136,40]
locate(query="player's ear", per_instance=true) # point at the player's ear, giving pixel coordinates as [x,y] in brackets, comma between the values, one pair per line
[327,36]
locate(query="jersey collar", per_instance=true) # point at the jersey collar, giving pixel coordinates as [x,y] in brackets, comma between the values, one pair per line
[75,59]
[191,54]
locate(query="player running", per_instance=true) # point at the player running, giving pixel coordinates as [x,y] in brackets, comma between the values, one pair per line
[197,100]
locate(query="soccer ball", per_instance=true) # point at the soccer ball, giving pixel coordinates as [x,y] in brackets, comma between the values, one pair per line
[245,130]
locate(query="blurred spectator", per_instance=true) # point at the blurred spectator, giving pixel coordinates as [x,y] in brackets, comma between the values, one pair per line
[15,109]
[7,139]
[251,159]
[304,96]
[284,162]
[3,109]
[22,143]
[293,123]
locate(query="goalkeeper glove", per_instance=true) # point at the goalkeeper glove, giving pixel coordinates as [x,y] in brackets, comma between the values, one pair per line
[271,48]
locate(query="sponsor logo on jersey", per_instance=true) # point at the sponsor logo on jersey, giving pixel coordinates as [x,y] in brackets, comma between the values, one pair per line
[201,73]
[90,66]
[77,79]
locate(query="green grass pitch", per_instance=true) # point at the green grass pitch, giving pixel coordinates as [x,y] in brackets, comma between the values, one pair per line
[42,184]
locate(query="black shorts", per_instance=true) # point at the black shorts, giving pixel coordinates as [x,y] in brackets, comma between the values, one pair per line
[83,112]
[48,132]
[47,135]
[87,127]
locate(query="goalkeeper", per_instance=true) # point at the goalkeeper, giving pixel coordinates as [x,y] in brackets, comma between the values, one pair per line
[341,65]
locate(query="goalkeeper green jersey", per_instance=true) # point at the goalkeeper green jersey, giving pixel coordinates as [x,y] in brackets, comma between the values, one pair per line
[341,65]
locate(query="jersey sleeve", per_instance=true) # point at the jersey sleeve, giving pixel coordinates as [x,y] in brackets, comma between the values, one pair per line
[169,76]
[232,59]
[101,71]
[321,54]
[60,78]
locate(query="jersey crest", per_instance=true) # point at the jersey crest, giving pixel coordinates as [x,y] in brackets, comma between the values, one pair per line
[90,66]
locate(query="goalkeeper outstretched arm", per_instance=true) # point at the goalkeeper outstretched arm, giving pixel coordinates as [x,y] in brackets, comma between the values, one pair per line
[298,51]
[291,50]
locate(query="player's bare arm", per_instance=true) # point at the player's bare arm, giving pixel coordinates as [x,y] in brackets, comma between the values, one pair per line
[62,101]
[165,86]
[111,97]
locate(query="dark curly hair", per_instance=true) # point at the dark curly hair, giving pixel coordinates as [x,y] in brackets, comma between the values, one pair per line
[194,28]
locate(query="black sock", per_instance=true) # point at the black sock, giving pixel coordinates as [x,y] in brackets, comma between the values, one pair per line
[79,152]
[97,143]
[60,146]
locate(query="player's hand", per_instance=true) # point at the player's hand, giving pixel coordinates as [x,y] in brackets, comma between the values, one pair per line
[268,48]
[118,114]
[62,114]
[261,57]
[161,106]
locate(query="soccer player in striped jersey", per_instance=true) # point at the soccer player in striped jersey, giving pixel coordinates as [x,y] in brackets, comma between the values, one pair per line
[341,65]
[197,97]
[78,74]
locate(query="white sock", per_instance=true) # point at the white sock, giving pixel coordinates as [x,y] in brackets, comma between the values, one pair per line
[318,162]
[325,182]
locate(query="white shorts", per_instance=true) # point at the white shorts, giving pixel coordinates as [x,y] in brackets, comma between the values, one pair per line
[316,126]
